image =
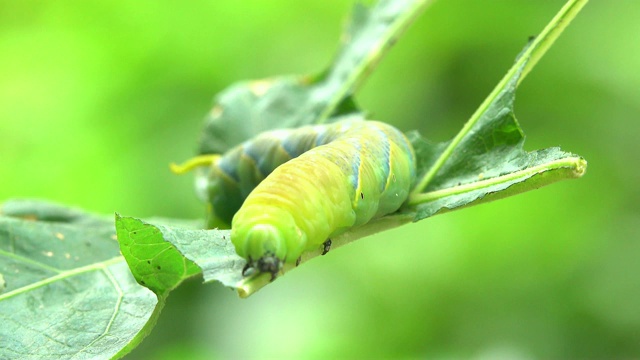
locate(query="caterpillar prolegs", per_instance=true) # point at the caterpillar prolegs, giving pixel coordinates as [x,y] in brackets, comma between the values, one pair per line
[288,191]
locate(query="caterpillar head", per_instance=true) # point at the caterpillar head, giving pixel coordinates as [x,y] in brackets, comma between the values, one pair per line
[262,244]
[267,242]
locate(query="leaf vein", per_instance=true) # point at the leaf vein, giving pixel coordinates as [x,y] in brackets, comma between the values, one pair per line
[61,276]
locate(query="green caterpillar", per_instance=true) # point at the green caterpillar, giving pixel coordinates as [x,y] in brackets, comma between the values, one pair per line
[289,191]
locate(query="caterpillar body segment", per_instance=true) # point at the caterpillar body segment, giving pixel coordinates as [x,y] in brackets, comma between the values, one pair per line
[234,175]
[337,177]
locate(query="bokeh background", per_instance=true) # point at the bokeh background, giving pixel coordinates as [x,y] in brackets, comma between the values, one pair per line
[97,97]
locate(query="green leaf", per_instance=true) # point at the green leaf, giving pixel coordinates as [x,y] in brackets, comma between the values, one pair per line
[68,292]
[50,212]
[211,250]
[487,158]
[249,108]
[181,248]
[154,262]
[520,172]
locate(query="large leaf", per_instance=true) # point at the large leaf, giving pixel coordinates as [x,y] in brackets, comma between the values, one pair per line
[249,108]
[68,292]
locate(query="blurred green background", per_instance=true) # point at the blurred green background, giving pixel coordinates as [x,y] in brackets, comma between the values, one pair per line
[97,97]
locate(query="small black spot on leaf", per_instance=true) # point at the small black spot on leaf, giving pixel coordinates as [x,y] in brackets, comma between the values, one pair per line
[362,196]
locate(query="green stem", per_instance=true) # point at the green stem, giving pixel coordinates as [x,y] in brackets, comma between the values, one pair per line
[550,33]
[528,58]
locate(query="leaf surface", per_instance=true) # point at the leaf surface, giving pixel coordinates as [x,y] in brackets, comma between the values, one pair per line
[248,108]
[68,292]
[155,263]
[152,249]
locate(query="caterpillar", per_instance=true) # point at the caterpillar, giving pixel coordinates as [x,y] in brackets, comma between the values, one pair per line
[289,191]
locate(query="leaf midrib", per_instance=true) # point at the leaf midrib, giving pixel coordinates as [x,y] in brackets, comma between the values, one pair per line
[102,266]
[576,163]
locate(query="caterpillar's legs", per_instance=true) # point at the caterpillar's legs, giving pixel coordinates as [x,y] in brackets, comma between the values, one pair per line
[268,263]
[298,261]
[326,246]
[247,266]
